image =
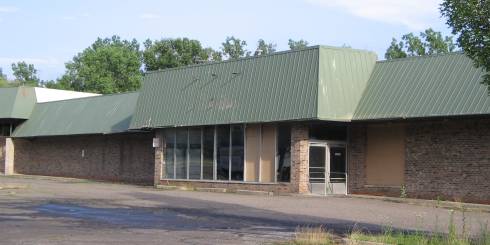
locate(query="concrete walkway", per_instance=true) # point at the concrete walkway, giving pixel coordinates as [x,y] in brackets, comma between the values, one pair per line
[36,210]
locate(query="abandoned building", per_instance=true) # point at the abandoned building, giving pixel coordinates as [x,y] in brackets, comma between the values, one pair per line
[320,120]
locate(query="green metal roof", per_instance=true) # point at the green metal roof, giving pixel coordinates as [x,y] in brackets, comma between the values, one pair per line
[343,76]
[92,115]
[17,103]
[428,86]
[317,82]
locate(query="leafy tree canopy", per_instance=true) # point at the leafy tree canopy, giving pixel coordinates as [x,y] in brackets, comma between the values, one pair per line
[169,53]
[109,65]
[3,79]
[427,43]
[470,19]
[264,48]
[25,74]
[300,44]
[234,48]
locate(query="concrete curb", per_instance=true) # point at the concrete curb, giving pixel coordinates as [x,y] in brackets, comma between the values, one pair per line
[166,187]
[255,193]
[220,190]
[429,203]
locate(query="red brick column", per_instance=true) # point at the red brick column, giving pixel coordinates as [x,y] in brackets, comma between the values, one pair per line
[300,159]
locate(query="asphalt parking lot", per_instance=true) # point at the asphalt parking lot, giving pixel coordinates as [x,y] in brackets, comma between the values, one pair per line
[39,210]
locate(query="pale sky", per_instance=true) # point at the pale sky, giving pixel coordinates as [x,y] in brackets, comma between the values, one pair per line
[49,33]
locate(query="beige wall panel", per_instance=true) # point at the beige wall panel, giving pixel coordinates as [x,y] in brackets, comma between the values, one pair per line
[252,157]
[268,154]
[385,163]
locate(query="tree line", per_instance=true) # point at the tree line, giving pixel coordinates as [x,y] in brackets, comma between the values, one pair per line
[114,65]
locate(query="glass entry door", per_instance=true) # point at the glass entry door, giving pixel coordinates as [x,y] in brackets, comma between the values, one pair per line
[327,170]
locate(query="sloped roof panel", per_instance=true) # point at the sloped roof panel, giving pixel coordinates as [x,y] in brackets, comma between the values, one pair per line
[281,86]
[343,76]
[429,86]
[17,103]
[92,115]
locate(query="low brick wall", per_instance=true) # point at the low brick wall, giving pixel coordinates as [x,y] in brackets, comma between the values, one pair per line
[2,154]
[120,158]
[447,159]
[232,187]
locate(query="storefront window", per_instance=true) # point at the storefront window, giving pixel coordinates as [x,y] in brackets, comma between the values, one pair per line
[169,153]
[181,154]
[208,153]
[237,154]
[283,153]
[195,153]
[223,152]
[218,153]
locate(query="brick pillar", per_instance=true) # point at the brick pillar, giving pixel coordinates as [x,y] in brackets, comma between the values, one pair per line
[356,157]
[9,156]
[159,157]
[300,159]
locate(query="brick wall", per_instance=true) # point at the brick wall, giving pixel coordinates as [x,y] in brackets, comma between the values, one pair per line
[2,154]
[449,159]
[121,158]
[356,157]
[446,159]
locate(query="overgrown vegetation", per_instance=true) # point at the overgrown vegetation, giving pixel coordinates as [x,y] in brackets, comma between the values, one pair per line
[311,236]
[320,236]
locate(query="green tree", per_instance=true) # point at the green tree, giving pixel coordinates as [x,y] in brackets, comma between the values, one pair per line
[213,55]
[168,53]
[264,48]
[427,43]
[3,79]
[395,50]
[25,74]
[300,44]
[470,19]
[2,75]
[109,65]
[234,48]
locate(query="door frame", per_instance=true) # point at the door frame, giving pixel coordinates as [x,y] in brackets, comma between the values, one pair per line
[327,144]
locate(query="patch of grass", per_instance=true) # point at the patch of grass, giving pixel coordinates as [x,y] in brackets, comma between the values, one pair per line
[417,238]
[403,192]
[400,238]
[311,236]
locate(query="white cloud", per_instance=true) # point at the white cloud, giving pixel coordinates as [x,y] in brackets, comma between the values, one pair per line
[414,14]
[8,9]
[149,16]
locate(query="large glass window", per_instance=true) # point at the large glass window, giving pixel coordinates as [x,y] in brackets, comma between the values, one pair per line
[223,152]
[169,153]
[195,153]
[208,153]
[283,153]
[237,152]
[218,153]
[181,154]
